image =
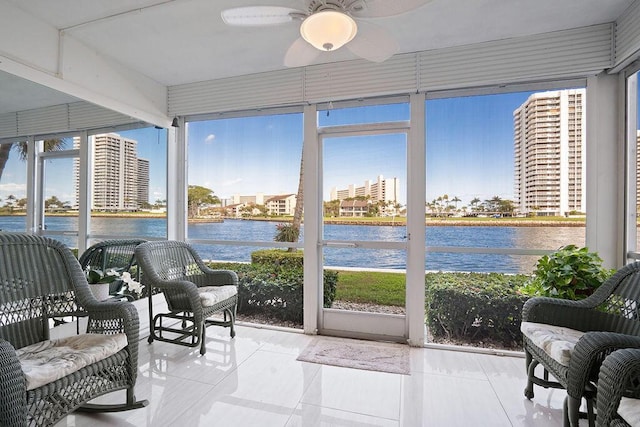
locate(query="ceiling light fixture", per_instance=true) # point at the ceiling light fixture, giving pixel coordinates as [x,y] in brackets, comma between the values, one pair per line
[328,30]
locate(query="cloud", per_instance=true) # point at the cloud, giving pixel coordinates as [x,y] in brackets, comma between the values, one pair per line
[231,182]
[209,139]
[18,190]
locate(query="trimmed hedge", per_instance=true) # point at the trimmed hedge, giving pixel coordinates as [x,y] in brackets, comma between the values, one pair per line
[273,284]
[472,307]
[277,258]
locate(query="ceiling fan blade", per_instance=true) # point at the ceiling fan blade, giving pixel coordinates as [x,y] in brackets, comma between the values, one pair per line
[300,53]
[258,15]
[384,8]
[372,42]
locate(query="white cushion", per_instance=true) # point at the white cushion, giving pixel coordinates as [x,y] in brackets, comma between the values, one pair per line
[48,361]
[557,341]
[629,410]
[211,295]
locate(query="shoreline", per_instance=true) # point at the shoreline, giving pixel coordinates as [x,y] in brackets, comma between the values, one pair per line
[429,222]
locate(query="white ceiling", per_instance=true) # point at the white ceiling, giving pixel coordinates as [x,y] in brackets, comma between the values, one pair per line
[182,41]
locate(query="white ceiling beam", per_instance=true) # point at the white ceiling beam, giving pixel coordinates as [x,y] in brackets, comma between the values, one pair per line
[36,51]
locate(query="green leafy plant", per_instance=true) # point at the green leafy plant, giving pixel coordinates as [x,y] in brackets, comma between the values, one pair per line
[469,308]
[273,284]
[568,273]
[286,233]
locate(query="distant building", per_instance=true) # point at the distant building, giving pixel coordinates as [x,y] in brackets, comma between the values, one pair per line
[117,174]
[257,199]
[143,181]
[382,190]
[281,205]
[233,211]
[549,155]
[354,208]
[276,204]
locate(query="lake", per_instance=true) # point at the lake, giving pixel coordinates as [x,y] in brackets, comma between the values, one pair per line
[548,238]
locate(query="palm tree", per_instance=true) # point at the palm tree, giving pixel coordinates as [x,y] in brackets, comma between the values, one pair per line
[474,203]
[456,200]
[297,213]
[5,150]
[290,233]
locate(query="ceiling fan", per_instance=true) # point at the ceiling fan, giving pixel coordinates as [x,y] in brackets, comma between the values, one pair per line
[327,25]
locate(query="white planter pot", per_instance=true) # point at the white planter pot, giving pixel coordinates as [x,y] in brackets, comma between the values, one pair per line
[100,291]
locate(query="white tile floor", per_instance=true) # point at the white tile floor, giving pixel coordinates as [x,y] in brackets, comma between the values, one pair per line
[255,380]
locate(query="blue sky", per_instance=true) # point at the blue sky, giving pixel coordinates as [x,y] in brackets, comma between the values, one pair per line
[469,152]
[470,146]
[151,145]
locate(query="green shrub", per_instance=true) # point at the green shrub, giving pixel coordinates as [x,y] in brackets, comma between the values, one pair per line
[277,258]
[569,273]
[275,289]
[472,307]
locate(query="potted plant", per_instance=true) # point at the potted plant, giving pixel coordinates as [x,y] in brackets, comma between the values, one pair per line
[569,273]
[100,283]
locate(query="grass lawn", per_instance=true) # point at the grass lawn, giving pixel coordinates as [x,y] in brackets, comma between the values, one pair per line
[371,287]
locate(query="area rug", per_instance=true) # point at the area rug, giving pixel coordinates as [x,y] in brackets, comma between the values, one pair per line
[372,356]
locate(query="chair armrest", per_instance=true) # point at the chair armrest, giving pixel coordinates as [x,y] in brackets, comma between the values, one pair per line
[180,293]
[618,373]
[554,311]
[103,314]
[588,355]
[13,388]
[218,277]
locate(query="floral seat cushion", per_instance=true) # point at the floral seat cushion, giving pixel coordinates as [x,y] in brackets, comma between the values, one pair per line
[211,295]
[47,361]
[629,410]
[557,341]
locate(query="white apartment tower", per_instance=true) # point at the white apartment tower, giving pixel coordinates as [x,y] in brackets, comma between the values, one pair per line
[114,175]
[382,190]
[549,155]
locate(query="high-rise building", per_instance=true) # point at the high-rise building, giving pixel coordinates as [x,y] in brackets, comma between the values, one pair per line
[143,181]
[383,190]
[119,180]
[549,155]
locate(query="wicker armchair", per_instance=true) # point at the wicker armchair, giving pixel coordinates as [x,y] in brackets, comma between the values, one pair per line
[112,254]
[570,339]
[40,279]
[193,292]
[618,402]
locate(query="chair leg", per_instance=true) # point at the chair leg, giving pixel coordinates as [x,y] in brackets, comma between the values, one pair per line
[572,411]
[232,320]
[590,414]
[565,413]
[530,365]
[203,328]
[131,403]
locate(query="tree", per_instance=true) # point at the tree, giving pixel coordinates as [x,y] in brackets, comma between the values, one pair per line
[493,204]
[291,232]
[332,208]
[53,203]
[456,200]
[21,147]
[10,201]
[474,203]
[197,196]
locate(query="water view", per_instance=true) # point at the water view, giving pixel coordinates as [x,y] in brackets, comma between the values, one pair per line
[547,238]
